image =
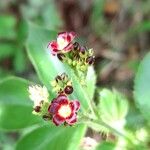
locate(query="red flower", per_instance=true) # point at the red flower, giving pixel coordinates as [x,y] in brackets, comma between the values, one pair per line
[63,110]
[63,44]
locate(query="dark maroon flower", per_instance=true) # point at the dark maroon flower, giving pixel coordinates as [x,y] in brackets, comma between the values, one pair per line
[63,110]
[63,44]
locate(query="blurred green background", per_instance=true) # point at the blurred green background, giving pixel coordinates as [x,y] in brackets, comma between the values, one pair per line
[117,30]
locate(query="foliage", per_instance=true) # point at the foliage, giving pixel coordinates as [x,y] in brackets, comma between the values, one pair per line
[122,117]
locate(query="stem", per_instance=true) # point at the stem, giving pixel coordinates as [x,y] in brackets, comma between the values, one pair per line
[92,122]
[85,95]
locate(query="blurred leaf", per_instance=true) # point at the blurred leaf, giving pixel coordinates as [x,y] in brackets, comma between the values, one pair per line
[90,82]
[141,27]
[133,64]
[4,73]
[15,106]
[52,137]
[142,87]
[7,26]
[22,32]
[51,16]
[97,18]
[113,108]
[6,50]
[106,146]
[7,141]
[134,119]
[48,66]
[19,61]
[98,7]
[44,13]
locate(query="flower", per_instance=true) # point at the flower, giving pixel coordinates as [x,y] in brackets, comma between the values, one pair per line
[63,110]
[63,44]
[38,94]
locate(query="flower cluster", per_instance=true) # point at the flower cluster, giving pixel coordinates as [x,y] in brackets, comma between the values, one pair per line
[62,84]
[72,53]
[60,110]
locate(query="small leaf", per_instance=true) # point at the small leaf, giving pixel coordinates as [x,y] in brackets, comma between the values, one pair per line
[7,26]
[19,59]
[52,137]
[15,106]
[113,108]
[7,50]
[142,87]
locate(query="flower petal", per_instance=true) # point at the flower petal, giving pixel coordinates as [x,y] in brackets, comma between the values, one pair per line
[64,39]
[58,120]
[53,108]
[75,105]
[62,99]
[72,120]
[68,48]
[53,46]
[69,36]
[38,94]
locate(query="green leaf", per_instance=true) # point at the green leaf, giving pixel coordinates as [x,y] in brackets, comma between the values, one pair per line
[106,146]
[15,106]
[19,59]
[51,16]
[48,66]
[52,137]
[7,26]
[90,82]
[142,87]
[141,27]
[113,108]
[6,50]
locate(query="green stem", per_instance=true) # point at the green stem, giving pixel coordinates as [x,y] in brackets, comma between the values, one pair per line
[98,123]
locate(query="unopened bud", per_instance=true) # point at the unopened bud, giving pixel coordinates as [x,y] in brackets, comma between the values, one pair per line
[58,78]
[76,46]
[68,89]
[46,117]
[90,60]
[64,76]
[61,56]
[37,109]
[83,49]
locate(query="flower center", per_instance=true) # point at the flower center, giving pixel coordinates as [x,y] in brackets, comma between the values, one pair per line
[64,111]
[62,43]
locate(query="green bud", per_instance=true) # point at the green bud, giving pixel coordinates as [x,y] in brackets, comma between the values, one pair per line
[53,83]
[74,63]
[83,68]
[69,61]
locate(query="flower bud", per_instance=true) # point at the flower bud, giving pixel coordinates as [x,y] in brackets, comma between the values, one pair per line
[68,89]
[83,49]
[58,78]
[46,117]
[64,76]
[76,46]
[37,109]
[90,60]
[60,56]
